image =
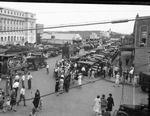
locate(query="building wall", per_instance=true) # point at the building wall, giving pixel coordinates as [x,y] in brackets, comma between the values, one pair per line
[142,54]
[142,59]
[11,19]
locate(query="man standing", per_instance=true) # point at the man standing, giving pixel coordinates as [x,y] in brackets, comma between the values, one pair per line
[23,80]
[47,68]
[13,100]
[16,86]
[127,61]
[22,96]
[17,77]
[110,103]
[29,78]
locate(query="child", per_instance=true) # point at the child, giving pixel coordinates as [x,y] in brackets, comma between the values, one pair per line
[40,103]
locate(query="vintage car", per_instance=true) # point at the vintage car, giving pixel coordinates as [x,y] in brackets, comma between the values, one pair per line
[35,61]
[87,64]
[74,58]
[133,110]
[10,63]
[144,81]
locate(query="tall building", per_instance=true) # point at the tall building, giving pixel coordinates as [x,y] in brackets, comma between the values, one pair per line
[39,32]
[142,44]
[11,19]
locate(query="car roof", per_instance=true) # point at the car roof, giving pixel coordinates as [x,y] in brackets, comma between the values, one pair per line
[86,62]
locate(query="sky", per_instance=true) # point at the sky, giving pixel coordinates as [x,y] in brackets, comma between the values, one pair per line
[55,14]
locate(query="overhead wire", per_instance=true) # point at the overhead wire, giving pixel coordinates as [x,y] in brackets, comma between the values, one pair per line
[78,24]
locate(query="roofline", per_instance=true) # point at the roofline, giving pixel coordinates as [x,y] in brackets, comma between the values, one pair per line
[1,7]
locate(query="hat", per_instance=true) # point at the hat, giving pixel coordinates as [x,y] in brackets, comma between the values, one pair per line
[110,94]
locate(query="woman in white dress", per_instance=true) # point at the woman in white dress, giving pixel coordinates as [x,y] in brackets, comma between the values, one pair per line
[80,80]
[117,80]
[97,105]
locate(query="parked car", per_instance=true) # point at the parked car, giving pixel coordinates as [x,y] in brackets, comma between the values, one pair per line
[144,81]
[36,61]
[133,110]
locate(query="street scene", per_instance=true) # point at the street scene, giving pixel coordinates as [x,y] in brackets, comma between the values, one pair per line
[72,73]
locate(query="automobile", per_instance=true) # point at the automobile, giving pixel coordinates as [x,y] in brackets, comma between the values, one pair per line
[36,61]
[74,58]
[9,63]
[133,110]
[87,64]
[144,81]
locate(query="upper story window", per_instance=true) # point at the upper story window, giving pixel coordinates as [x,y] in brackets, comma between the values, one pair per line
[143,35]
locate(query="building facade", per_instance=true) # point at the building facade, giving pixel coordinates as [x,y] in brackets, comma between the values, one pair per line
[12,20]
[142,44]
[59,38]
[39,32]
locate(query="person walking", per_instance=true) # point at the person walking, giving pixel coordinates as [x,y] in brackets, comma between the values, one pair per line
[13,100]
[110,103]
[33,113]
[47,68]
[103,104]
[16,87]
[29,78]
[61,84]
[92,76]
[97,105]
[57,87]
[127,61]
[80,80]
[23,80]
[117,80]
[22,96]
[36,100]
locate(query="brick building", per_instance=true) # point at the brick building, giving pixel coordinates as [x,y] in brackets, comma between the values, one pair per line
[12,19]
[142,44]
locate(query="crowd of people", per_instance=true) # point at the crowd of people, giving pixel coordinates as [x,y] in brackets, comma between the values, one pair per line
[10,99]
[66,73]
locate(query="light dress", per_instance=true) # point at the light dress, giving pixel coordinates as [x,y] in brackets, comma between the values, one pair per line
[97,105]
[117,79]
[80,80]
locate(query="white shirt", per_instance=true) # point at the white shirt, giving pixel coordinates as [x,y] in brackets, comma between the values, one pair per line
[83,69]
[29,77]
[16,84]
[23,77]
[47,66]
[131,71]
[22,91]
[17,77]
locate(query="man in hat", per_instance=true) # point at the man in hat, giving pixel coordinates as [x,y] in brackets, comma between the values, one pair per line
[110,103]
[57,87]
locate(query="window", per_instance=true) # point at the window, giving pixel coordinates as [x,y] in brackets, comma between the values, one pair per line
[11,38]
[1,38]
[8,38]
[14,38]
[5,39]
[143,35]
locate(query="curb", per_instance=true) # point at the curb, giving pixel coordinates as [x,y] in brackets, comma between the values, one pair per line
[120,82]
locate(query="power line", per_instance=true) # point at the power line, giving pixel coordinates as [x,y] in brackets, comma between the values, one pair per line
[83,24]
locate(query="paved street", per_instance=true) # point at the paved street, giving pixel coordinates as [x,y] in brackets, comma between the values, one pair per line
[78,102]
